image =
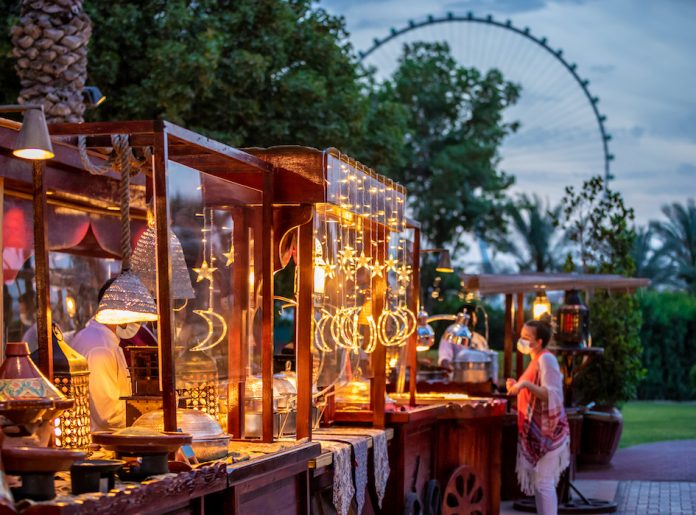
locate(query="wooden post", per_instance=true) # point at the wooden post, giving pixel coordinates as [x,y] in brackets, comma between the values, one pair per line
[2,251]
[165,334]
[304,312]
[379,356]
[41,276]
[519,362]
[415,307]
[507,339]
[265,275]
[238,334]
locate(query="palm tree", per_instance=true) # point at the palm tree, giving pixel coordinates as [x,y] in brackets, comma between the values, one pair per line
[50,44]
[536,244]
[678,237]
[649,261]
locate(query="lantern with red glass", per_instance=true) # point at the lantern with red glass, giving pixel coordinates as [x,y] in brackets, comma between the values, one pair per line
[573,321]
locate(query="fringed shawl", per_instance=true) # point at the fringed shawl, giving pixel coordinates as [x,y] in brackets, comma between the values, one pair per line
[542,426]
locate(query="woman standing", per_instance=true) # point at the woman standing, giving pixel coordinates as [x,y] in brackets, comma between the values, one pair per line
[543,450]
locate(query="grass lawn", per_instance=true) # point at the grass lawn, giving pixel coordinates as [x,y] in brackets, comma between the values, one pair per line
[655,421]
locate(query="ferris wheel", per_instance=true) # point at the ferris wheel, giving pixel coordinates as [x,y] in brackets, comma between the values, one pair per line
[562,138]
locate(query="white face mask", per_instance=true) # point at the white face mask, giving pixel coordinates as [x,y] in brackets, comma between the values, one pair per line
[26,319]
[524,346]
[127,332]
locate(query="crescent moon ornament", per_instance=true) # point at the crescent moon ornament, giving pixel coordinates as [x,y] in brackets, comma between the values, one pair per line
[208,342]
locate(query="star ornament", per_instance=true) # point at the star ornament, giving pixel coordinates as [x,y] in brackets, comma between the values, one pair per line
[376,269]
[404,274]
[205,272]
[329,270]
[229,255]
[347,253]
[363,261]
[390,263]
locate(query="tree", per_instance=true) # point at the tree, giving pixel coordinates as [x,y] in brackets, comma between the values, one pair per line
[649,261]
[537,245]
[246,72]
[50,44]
[454,127]
[678,238]
[600,230]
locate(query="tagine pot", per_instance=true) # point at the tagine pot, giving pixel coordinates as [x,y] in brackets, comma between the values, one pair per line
[28,400]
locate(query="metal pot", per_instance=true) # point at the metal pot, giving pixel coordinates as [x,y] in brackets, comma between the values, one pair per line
[471,366]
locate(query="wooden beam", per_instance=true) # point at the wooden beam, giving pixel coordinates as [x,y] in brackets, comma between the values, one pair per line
[379,356]
[415,307]
[519,322]
[507,338]
[41,277]
[165,334]
[304,313]
[265,275]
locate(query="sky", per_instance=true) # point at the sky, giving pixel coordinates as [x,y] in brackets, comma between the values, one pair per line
[637,54]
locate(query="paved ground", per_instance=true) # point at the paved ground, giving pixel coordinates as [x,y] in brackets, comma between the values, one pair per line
[661,461]
[657,478]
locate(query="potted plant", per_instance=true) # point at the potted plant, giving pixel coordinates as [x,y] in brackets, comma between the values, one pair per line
[599,227]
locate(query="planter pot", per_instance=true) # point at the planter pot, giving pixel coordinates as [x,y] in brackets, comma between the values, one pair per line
[601,433]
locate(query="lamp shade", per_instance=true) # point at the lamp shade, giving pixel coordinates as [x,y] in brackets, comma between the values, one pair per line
[143,264]
[33,141]
[126,301]
[444,262]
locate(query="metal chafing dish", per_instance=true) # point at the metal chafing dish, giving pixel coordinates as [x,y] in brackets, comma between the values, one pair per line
[284,406]
[209,441]
[472,366]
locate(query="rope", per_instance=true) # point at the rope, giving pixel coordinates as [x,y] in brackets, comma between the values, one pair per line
[86,163]
[122,164]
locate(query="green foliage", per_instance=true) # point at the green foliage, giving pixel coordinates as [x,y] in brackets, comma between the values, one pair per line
[247,72]
[615,322]
[450,155]
[9,82]
[535,241]
[669,345]
[692,379]
[678,239]
[599,227]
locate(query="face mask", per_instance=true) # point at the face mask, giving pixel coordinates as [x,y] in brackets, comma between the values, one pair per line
[524,346]
[26,319]
[127,332]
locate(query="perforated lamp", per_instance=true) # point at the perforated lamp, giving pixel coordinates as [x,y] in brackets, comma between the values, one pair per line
[126,301]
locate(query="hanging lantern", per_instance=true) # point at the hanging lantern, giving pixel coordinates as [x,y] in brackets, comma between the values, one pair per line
[573,320]
[425,333]
[71,377]
[144,265]
[541,305]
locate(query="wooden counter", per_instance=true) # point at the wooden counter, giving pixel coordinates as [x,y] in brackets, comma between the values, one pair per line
[276,482]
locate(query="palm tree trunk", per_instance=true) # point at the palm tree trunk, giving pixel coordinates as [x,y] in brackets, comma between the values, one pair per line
[50,44]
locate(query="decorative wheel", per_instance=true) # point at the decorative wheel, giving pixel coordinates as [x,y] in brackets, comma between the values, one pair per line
[464,494]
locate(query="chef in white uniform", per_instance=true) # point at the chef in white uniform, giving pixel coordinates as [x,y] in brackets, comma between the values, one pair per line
[109,378]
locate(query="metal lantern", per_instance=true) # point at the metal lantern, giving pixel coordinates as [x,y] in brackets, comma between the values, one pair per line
[541,305]
[126,301]
[197,382]
[573,320]
[71,377]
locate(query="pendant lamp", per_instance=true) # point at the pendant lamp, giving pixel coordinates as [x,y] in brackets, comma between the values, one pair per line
[33,141]
[143,264]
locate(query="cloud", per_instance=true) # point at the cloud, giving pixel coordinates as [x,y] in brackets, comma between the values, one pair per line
[686,169]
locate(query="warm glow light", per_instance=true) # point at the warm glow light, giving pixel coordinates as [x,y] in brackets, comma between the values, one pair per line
[251,279]
[422,348]
[121,316]
[319,279]
[393,361]
[33,153]
[541,306]
[70,306]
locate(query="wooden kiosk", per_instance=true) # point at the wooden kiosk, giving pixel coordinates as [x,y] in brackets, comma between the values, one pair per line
[197,190]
